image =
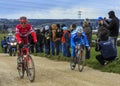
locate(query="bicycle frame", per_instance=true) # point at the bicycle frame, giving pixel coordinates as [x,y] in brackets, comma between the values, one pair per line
[27,63]
[79,50]
[79,58]
[24,53]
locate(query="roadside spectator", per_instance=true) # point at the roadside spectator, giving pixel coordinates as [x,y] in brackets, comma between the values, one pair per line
[72,27]
[39,45]
[60,33]
[53,37]
[58,39]
[66,42]
[113,27]
[107,51]
[31,41]
[47,40]
[88,31]
[102,28]
[4,44]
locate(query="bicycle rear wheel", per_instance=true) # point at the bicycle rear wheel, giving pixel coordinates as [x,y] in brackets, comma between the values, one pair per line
[20,67]
[81,62]
[30,69]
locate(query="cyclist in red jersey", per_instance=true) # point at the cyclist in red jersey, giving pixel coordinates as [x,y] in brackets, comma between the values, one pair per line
[22,31]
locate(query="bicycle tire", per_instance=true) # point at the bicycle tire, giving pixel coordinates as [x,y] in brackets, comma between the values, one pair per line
[81,63]
[31,76]
[21,70]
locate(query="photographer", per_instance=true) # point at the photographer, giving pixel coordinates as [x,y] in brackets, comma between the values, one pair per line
[106,48]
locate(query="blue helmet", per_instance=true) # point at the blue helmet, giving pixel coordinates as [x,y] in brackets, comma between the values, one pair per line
[100,18]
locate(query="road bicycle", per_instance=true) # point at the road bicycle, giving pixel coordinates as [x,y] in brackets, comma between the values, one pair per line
[25,63]
[79,58]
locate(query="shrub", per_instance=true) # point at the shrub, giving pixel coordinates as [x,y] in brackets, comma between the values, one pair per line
[93,43]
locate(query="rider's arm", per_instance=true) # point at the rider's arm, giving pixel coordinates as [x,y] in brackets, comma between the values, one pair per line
[17,35]
[73,41]
[85,40]
[33,34]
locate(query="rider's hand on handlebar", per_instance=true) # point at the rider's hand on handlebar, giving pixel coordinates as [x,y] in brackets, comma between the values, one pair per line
[20,45]
[88,48]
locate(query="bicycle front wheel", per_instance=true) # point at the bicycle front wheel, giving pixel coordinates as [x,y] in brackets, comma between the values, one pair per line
[30,69]
[81,62]
[20,67]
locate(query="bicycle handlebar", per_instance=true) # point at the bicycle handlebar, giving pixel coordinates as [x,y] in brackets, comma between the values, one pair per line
[24,45]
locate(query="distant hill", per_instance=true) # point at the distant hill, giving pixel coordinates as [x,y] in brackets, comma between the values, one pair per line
[11,23]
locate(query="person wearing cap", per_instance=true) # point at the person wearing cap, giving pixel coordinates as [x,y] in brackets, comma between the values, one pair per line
[102,26]
[78,37]
[113,27]
[66,42]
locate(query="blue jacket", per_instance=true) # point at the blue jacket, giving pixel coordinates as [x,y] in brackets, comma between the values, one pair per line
[107,49]
[3,42]
[82,40]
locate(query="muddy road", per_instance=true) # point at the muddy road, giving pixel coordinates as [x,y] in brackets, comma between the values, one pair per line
[54,73]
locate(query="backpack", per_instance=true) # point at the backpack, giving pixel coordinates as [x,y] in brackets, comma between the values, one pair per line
[107,49]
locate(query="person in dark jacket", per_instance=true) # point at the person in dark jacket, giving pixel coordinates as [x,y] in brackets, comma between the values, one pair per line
[4,44]
[107,51]
[113,27]
[101,29]
[47,40]
[88,31]
[58,39]
[30,39]
[39,45]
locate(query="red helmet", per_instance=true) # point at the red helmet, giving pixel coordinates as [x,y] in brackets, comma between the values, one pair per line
[23,19]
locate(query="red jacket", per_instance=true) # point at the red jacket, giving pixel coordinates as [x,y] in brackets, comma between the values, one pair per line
[63,36]
[21,33]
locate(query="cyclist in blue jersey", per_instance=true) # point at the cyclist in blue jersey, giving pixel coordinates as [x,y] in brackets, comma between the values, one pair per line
[78,37]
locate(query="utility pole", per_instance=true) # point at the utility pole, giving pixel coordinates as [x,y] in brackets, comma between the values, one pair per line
[79,14]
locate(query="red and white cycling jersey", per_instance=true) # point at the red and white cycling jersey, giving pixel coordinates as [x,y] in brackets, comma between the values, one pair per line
[21,33]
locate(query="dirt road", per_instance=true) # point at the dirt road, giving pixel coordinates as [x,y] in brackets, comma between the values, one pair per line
[54,73]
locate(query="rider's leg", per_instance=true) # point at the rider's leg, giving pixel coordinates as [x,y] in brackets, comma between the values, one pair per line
[73,56]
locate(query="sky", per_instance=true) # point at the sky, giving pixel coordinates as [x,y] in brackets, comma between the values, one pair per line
[58,9]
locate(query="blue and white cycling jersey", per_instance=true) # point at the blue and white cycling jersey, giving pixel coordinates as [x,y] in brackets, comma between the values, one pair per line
[82,40]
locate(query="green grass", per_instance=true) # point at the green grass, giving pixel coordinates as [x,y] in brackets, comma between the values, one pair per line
[94,36]
[111,67]
[92,62]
